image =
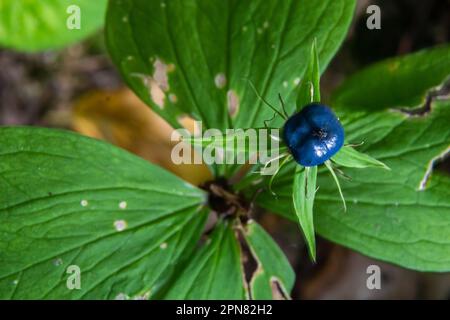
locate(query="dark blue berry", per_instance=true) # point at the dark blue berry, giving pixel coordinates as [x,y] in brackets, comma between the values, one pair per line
[313,135]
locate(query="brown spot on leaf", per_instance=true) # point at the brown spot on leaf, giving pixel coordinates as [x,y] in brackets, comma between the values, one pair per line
[155,92]
[232,103]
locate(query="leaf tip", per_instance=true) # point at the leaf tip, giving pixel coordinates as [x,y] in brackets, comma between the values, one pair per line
[312,254]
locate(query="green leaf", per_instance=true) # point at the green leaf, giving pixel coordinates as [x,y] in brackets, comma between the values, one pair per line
[303,193]
[329,166]
[43,25]
[201,54]
[397,82]
[274,277]
[310,84]
[69,200]
[214,271]
[349,157]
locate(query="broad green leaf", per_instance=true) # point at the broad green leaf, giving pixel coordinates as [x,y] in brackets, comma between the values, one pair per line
[214,271]
[401,82]
[401,215]
[68,200]
[42,25]
[196,58]
[274,277]
[310,84]
[349,157]
[303,193]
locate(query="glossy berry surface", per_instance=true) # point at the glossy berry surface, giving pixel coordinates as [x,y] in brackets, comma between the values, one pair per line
[313,135]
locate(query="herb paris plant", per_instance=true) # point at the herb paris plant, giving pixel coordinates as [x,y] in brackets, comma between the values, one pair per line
[313,136]
[137,231]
